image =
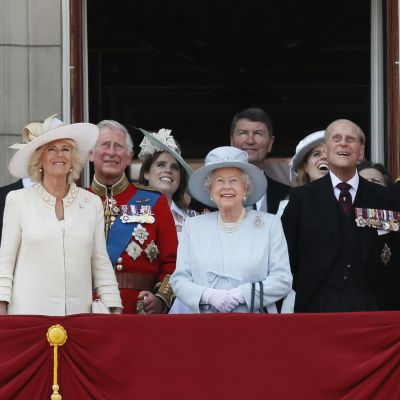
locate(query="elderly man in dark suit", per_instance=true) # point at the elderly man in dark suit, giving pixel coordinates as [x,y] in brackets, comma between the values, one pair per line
[337,264]
[252,131]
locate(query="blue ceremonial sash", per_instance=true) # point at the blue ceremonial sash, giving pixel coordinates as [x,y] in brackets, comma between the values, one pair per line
[120,234]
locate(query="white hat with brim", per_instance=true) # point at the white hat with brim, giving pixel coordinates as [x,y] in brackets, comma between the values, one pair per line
[304,146]
[160,146]
[36,135]
[224,157]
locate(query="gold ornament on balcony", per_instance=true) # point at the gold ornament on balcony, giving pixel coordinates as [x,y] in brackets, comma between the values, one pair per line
[56,336]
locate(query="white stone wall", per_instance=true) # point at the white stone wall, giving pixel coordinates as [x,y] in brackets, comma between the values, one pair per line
[30,69]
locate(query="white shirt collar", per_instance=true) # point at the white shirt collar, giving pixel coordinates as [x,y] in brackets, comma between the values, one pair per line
[177,210]
[353,181]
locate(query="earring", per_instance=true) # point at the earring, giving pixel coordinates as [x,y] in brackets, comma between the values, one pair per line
[70,170]
[40,170]
[244,198]
[211,198]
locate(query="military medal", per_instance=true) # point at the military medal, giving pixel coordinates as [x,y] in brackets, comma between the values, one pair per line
[385,220]
[147,213]
[134,250]
[152,251]
[386,254]
[140,233]
[125,218]
[393,220]
[394,226]
[360,220]
[143,216]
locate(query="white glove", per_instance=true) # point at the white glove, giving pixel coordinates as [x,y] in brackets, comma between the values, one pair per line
[236,293]
[220,299]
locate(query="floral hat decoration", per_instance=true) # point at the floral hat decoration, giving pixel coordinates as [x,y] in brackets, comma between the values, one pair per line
[37,134]
[162,141]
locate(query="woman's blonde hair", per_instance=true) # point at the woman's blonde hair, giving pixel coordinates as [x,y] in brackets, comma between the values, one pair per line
[35,167]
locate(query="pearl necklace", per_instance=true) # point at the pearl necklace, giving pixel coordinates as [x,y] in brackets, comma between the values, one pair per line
[230,227]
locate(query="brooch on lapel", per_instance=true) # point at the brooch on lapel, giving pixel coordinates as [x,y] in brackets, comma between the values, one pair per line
[258,221]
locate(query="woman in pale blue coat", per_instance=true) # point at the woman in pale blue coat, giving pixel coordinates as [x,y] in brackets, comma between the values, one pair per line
[222,254]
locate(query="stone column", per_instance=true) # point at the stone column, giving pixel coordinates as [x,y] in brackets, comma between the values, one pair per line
[30,69]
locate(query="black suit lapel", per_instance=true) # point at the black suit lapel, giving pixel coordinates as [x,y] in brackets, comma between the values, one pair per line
[326,204]
[272,201]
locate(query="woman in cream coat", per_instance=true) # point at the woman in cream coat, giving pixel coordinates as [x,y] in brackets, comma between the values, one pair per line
[223,255]
[53,249]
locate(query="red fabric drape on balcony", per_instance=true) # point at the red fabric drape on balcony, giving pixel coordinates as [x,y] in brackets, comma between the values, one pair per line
[328,356]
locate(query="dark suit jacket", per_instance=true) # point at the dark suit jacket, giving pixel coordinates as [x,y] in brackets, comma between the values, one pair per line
[311,226]
[3,194]
[276,192]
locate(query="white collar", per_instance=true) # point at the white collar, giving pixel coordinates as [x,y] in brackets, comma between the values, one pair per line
[352,181]
[177,210]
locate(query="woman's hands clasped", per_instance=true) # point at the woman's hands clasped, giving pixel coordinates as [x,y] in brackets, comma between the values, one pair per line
[222,300]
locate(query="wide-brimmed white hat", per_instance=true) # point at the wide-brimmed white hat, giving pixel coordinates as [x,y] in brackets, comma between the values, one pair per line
[304,146]
[162,141]
[224,157]
[37,134]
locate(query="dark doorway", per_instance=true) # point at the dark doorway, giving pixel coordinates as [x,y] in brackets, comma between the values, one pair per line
[189,66]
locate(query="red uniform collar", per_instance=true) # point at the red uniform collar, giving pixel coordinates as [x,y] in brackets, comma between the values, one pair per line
[113,190]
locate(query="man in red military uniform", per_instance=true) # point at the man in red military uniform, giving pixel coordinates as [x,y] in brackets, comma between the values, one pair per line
[139,227]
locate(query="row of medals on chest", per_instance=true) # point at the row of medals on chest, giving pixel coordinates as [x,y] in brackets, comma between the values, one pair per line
[128,214]
[386,220]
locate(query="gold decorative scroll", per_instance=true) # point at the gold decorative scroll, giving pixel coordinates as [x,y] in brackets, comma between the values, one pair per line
[56,336]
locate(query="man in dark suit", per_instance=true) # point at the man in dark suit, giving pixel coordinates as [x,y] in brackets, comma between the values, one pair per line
[252,131]
[336,264]
[3,194]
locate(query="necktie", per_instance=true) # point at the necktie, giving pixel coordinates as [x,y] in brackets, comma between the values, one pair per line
[345,197]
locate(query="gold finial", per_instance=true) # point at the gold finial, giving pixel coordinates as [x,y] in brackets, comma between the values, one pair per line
[56,336]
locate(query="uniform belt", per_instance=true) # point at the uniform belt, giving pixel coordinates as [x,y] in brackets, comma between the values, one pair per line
[131,280]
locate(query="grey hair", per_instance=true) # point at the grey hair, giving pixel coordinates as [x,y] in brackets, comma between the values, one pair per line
[358,130]
[110,123]
[246,180]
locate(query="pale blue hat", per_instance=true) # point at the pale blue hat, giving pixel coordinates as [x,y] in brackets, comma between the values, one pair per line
[223,157]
